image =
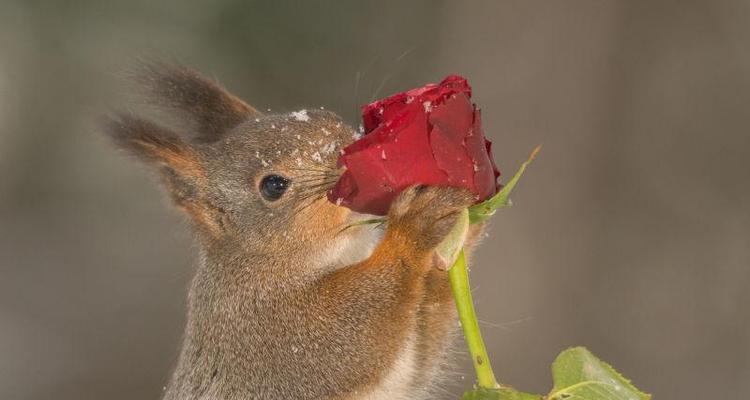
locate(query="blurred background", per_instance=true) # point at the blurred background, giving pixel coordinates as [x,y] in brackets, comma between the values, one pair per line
[630,233]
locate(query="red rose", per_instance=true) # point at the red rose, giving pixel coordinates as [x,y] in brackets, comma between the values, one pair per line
[430,135]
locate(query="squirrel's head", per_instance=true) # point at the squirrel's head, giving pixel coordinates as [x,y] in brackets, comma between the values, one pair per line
[248,180]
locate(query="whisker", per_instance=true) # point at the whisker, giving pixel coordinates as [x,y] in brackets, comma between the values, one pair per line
[317,175]
[322,188]
[304,191]
[303,200]
[321,173]
[403,55]
[314,180]
[505,325]
[390,74]
[356,94]
[311,202]
[311,176]
[319,192]
[323,167]
[327,169]
[380,86]
[313,187]
[312,173]
[359,77]
[318,179]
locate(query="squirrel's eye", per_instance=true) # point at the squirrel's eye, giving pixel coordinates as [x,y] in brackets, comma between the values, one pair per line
[272,187]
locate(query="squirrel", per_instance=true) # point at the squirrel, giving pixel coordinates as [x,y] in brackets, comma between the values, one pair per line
[291,299]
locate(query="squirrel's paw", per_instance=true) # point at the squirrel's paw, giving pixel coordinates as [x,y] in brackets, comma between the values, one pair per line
[425,214]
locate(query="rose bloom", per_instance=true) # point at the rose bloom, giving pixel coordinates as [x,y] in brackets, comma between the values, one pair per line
[430,135]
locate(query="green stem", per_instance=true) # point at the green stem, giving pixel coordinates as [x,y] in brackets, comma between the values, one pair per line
[459,279]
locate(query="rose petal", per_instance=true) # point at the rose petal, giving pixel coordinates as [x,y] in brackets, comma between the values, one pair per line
[485,172]
[451,158]
[430,135]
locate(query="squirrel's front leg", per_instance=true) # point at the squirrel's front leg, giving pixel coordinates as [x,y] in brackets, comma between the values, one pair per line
[375,304]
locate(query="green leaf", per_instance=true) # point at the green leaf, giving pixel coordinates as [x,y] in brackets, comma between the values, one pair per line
[579,375]
[503,393]
[480,212]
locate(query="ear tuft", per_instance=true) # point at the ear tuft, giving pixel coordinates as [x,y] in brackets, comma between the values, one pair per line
[153,144]
[142,138]
[211,108]
[178,162]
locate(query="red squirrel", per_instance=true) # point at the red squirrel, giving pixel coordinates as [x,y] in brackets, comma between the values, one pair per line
[289,300]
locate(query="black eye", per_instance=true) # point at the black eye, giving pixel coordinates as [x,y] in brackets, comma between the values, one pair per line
[272,187]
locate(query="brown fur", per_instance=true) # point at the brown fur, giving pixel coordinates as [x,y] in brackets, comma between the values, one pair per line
[274,312]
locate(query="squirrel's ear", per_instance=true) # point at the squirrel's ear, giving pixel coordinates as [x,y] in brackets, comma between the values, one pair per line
[178,162]
[212,109]
[154,144]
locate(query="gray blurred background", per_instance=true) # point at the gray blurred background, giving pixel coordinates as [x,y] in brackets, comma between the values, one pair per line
[630,234]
